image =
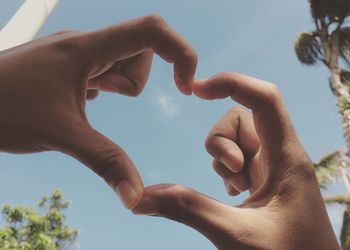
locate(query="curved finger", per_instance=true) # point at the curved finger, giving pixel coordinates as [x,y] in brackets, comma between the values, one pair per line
[127,77]
[230,189]
[239,182]
[226,151]
[200,212]
[133,37]
[233,140]
[106,159]
[261,97]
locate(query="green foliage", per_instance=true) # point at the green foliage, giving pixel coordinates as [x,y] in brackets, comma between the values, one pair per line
[329,17]
[344,104]
[338,199]
[327,169]
[308,48]
[344,110]
[26,229]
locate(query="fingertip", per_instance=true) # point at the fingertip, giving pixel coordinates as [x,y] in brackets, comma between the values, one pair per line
[186,90]
[151,199]
[184,72]
[239,183]
[185,86]
[230,189]
[129,194]
[200,90]
[146,206]
[215,87]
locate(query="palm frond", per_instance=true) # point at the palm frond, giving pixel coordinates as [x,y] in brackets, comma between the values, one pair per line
[319,8]
[333,10]
[308,48]
[327,169]
[338,199]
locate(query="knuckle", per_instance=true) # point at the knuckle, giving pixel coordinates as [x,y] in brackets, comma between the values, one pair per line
[71,48]
[216,166]
[237,111]
[227,76]
[214,144]
[155,20]
[189,55]
[272,92]
[274,89]
[210,143]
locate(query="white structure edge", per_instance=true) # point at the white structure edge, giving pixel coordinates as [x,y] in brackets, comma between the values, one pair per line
[26,23]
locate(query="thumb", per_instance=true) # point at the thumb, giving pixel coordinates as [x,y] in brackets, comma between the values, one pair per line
[106,159]
[220,223]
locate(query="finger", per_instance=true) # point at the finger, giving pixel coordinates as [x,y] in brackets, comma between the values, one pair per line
[131,38]
[91,94]
[230,189]
[197,211]
[106,159]
[227,152]
[126,77]
[239,182]
[261,97]
[221,169]
[233,140]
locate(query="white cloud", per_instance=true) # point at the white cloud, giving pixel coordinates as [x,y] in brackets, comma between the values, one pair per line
[166,104]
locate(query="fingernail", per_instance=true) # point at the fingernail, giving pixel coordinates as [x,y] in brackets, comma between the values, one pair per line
[186,90]
[127,194]
[229,165]
[147,206]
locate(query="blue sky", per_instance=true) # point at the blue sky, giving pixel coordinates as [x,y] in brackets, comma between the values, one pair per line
[164,131]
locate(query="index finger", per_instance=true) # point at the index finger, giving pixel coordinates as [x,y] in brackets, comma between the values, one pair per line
[271,119]
[133,37]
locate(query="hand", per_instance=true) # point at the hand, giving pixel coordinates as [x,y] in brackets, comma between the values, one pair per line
[44,85]
[259,151]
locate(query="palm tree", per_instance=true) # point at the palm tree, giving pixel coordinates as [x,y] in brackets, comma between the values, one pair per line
[329,44]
